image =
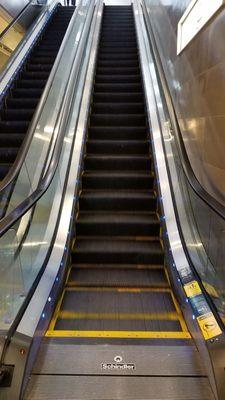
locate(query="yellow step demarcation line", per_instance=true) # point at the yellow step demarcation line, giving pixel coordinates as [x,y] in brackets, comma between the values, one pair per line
[117,289]
[119,334]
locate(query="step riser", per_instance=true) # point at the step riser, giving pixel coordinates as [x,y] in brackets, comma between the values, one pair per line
[118,120]
[117,148]
[100,229]
[104,204]
[120,258]
[110,133]
[136,183]
[117,108]
[117,165]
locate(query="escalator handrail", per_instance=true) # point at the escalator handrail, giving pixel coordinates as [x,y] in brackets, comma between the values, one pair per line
[15,20]
[192,180]
[14,171]
[9,220]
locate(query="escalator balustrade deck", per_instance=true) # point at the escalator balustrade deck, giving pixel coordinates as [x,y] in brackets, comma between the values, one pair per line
[118,285]
[18,107]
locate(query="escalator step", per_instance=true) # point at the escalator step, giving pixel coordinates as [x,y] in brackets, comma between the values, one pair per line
[118,133]
[118,107]
[18,115]
[118,97]
[117,251]
[93,266]
[117,163]
[104,325]
[117,87]
[20,103]
[32,84]
[39,67]
[118,301]
[117,147]
[117,180]
[117,224]
[8,154]
[118,120]
[11,140]
[115,277]
[122,200]
[14,126]
[4,169]
[117,57]
[117,79]
[27,93]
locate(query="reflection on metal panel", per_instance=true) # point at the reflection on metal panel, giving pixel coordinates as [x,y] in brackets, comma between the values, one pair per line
[198,13]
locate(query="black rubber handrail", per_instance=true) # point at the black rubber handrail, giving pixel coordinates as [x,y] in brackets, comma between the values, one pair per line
[207,198]
[15,20]
[15,169]
[9,220]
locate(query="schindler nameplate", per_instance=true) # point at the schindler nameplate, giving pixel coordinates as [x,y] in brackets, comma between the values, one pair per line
[198,13]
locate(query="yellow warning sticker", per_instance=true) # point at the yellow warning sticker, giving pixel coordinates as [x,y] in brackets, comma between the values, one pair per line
[209,326]
[192,289]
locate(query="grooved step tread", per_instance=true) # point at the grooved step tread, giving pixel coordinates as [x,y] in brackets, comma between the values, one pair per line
[117,278]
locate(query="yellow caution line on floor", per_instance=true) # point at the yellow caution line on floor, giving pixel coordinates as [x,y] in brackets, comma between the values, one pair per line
[123,316]
[119,334]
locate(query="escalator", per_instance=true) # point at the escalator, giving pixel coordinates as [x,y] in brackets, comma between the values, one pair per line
[21,100]
[118,284]
[117,328]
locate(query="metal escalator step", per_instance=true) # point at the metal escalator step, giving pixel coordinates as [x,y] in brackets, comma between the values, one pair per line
[117,163]
[117,251]
[40,75]
[118,108]
[21,103]
[118,300]
[120,45]
[117,180]
[118,97]
[8,154]
[118,57]
[118,132]
[27,93]
[31,83]
[4,169]
[11,140]
[117,147]
[118,325]
[118,310]
[22,114]
[118,120]
[14,126]
[39,67]
[118,266]
[117,87]
[117,277]
[109,49]
[117,78]
[110,224]
[113,200]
